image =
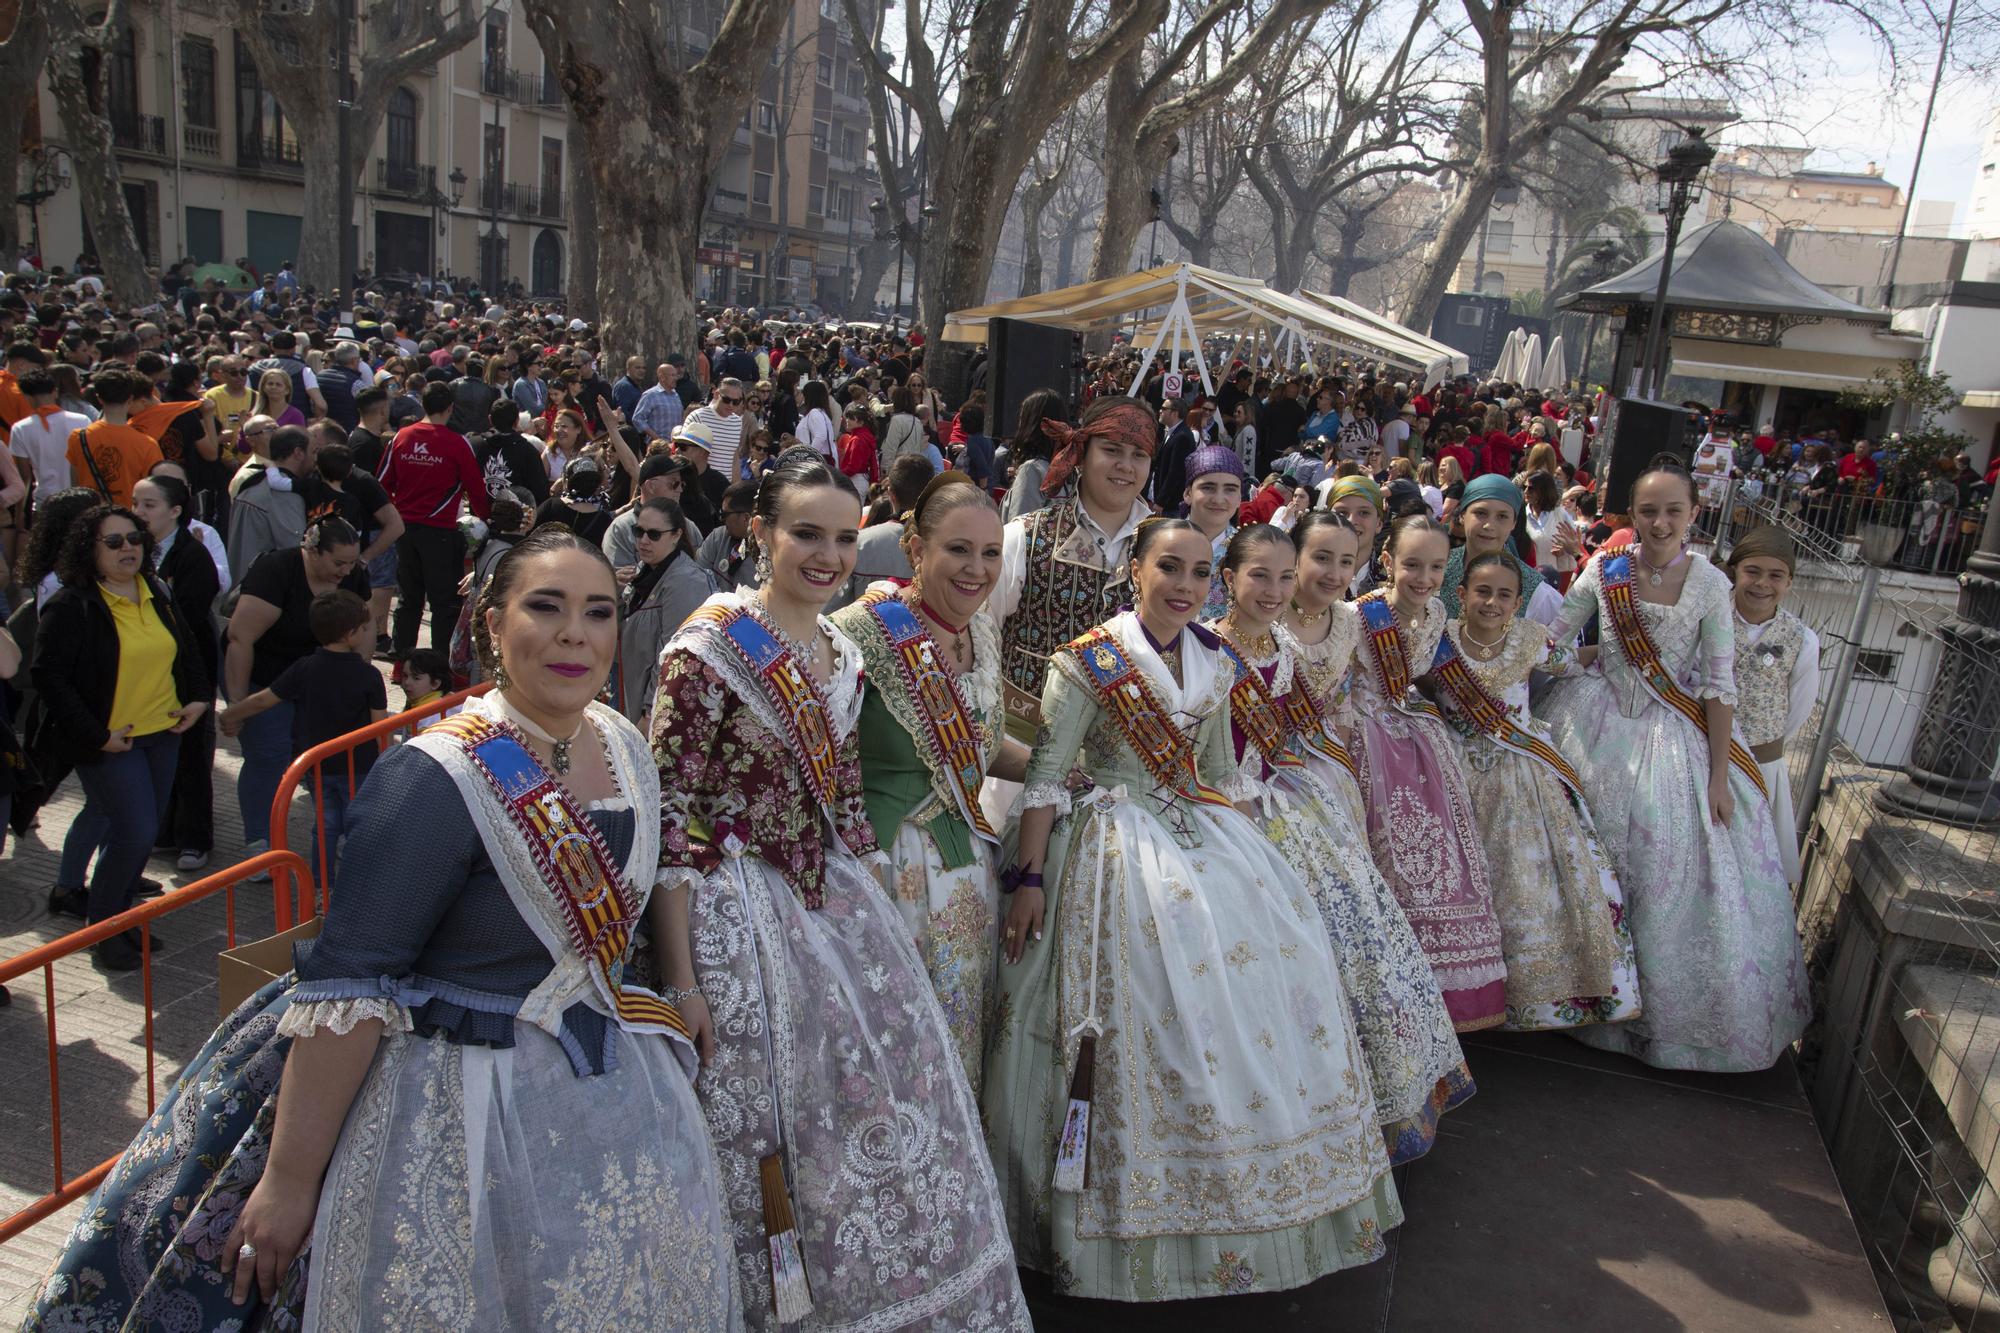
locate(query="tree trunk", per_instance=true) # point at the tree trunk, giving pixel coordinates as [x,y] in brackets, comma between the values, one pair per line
[1462,219]
[1034,207]
[1072,232]
[1549,264]
[21,58]
[975,178]
[870,267]
[317,125]
[1291,240]
[580,277]
[1128,182]
[97,174]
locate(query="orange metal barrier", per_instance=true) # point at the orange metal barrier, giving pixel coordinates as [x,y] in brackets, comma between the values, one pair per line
[138,918]
[313,762]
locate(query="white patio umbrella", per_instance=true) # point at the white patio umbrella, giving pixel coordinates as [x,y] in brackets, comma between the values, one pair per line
[1554,374]
[1510,357]
[1531,363]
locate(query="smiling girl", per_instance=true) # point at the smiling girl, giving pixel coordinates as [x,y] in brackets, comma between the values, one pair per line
[1678,801]
[1562,917]
[1777,669]
[1184,962]
[1420,821]
[1414,1061]
[930,728]
[834,1080]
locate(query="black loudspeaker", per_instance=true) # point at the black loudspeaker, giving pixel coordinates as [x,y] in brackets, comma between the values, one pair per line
[948,368]
[1639,430]
[1025,357]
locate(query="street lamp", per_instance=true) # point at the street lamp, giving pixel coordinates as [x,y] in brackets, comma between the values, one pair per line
[1685,162]
[439,201]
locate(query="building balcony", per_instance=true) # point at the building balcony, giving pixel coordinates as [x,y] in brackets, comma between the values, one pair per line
[258,152]
[201,141]
[411,180]
[134,133]
[520,200]
[529,88]
[732,202]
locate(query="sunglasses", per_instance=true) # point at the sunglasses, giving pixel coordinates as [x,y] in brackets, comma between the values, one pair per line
[114,541]
[730,402]
[655,534]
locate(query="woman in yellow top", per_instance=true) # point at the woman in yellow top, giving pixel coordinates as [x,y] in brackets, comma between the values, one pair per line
[117,679]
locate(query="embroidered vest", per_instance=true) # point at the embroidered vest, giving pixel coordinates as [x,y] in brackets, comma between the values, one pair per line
[1764,679]
[1065,595]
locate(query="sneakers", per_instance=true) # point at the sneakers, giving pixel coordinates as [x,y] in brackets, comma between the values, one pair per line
[192,860]
[69,902]
[257,847]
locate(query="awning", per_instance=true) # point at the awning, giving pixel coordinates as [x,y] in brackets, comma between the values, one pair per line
[1791,367]
[1987,398]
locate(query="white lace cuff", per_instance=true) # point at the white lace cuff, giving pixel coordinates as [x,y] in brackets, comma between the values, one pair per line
[1239,786]
[669,878]
[1039,794]
[340,1016]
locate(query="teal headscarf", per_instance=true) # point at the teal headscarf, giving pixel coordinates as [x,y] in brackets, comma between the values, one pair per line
[1491,486]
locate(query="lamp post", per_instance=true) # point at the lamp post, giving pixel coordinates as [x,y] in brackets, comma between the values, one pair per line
[1685,162]
[439,201]
[925,212]
[1603,266]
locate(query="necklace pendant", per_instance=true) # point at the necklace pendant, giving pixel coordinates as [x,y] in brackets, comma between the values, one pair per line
[559,757]
[1656,579]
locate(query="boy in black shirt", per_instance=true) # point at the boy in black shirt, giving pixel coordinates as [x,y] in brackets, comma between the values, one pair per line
[333,691]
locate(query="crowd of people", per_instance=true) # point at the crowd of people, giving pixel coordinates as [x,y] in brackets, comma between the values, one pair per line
[889,856]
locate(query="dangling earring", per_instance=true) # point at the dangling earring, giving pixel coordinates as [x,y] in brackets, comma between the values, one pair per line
[763,567]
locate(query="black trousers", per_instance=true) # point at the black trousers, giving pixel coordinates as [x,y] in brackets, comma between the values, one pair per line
[429,564]
[190,819]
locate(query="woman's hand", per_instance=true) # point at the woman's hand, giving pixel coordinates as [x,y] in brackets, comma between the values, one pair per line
[189,714]
[1721,801]
[700,1024]
[625,574]
[274,1224]
[1023,917]
[119,741]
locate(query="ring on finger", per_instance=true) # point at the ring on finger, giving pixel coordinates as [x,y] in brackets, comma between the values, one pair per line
[246,1251]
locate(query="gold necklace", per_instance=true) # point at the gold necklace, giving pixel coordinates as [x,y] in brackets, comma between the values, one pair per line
[1307,620]
[1487,651]
[1261,649]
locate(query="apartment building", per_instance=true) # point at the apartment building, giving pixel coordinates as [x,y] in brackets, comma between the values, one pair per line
[1771,189]
[1985,212]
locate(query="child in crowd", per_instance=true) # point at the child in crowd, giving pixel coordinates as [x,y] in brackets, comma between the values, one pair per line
[334,691]
[426,676]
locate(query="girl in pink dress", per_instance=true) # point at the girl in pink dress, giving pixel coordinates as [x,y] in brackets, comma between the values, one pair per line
[1420,823]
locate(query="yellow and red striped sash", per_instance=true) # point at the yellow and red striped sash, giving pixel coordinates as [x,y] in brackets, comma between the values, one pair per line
[1622,611]
[790,686]
[1121,688]
[1312,726]
[955,751]
[1469,700]
[1392,664]
[599,909]
[1256,714]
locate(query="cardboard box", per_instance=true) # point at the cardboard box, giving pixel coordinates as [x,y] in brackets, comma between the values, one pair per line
[243,971]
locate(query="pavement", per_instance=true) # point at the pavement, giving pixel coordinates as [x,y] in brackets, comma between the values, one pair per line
[1578,1190]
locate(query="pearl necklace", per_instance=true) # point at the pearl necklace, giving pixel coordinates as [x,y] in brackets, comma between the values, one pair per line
[1487,651]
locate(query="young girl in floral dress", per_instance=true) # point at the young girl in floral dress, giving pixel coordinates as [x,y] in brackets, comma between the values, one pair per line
[1180,1044]
[834,1093]
[1678,800]
[1420,819]
[1562,916]
[1777,669]
[1413,1057]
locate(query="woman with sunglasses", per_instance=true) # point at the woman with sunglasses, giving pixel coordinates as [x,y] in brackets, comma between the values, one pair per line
[669,584]
[117,678]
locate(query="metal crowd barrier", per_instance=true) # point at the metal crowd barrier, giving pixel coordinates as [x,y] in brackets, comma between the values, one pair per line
[67,1189]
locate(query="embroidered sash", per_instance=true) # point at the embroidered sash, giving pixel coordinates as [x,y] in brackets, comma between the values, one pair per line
[1256,714]
[791,689]
[1121,687]
[1312,726]
[1468,699]
[1392,664]
[599,909]
[1622,610]
[951,736]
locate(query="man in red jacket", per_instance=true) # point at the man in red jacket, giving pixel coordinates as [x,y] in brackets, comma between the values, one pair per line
[427,469]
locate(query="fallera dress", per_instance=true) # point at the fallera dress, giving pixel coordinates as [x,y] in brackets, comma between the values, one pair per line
[1414,1060]
[924,735]
[519,1156]
[1420,819]
[1720,973]
[1777,683]
[832,1053]
[1562,915]
[1232,1144]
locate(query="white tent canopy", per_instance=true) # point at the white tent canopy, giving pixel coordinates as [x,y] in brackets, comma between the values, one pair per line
[1173,308]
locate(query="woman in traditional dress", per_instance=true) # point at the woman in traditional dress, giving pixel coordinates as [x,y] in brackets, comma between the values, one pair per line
[1325,628]
[1420,821]
[1493,520]
[930,729]
[1176,1095]
[1414,1060]
[472,1118]
[1678,801]
[1777,669]
[849,1140]
[1562,917]
[1214,495]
